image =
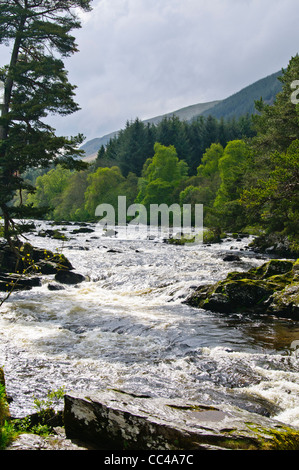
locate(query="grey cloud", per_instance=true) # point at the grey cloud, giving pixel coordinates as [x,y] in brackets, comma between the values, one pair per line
[141,58]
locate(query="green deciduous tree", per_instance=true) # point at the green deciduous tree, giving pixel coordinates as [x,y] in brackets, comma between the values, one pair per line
[35,85]
[232,165]
[72,199]
[103,188]
[161,176]
[165,165]
[208,178]
[49,189]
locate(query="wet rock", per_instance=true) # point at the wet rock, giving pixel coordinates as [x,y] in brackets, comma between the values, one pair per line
[54,287]
[20,268]
[56,234]
[111,419]
[272,288]
[285,303]
[29,258]
[231,258]
[69,277]
[56,441]
[9,261]
[82,230]
[47,267]
[17,282]
[275,244]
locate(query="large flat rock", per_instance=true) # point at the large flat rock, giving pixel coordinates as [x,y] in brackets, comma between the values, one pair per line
[111,419]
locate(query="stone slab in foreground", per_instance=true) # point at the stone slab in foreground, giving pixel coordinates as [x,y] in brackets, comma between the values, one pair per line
[114,420]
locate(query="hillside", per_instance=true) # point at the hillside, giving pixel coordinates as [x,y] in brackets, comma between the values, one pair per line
[236,105]
[184,114]
[243,101]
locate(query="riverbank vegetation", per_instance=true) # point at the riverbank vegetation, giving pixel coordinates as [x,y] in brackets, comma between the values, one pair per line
[40,423]
[245,172]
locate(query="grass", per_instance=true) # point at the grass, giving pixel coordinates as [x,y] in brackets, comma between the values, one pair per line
[7,431]
[36,424]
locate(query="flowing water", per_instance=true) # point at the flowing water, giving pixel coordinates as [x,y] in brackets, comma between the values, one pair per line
[127,327]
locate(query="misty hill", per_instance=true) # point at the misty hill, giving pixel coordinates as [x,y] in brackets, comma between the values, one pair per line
[185,114]
[242,102]
[236,105]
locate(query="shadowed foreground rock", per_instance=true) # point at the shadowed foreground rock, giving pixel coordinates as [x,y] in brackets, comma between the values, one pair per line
[114,420]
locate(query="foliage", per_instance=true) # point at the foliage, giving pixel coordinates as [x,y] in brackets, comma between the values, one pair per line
[161,175]
[102,188]
[39,423]
[131,147]
[270,194]
[7,434]
[49,189]
[7,431]
[4,410]
[231,167]
[165,165]
[276,200]
[277,125]
[244,171]
[71,200]
[35,85]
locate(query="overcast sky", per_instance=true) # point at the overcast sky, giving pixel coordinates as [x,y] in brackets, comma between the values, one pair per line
[143,58]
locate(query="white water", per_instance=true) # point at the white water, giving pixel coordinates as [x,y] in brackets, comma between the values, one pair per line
[127,328]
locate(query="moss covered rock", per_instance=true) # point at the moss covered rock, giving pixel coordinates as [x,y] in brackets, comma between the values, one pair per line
[271,288]
[21,267]
[31,259]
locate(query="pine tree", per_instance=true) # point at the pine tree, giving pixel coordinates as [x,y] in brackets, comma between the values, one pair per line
[35,85]
[277,125]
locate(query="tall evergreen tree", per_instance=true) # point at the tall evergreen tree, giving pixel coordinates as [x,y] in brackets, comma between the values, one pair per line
[277,125]
[133,148]
[35,85]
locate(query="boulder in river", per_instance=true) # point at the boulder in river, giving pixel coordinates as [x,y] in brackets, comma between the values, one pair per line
[230,257]
[69,277]
[111,419]
[83,230]
[20,268]
[270,288]
[10,282]
[29,258]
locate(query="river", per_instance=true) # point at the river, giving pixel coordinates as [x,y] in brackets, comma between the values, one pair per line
[126,327]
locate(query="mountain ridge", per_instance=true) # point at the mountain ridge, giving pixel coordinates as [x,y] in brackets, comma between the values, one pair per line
[234,106]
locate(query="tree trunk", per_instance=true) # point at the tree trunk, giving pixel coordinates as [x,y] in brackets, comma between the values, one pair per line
[8,86]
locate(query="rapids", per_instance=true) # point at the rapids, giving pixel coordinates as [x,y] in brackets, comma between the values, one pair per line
[126,327]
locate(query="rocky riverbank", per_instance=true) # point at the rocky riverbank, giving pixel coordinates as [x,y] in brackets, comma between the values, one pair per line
[272,288]
[22,268]
[115,420]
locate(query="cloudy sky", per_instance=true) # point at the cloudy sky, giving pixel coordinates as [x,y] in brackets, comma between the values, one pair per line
[143,58]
